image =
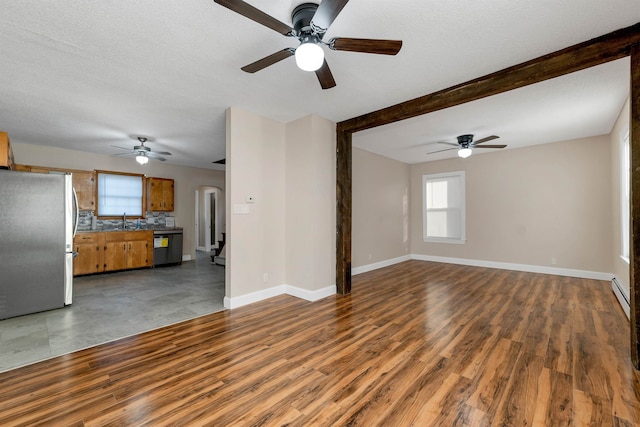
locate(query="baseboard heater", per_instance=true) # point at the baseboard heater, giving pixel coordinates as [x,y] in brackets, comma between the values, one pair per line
[622,295]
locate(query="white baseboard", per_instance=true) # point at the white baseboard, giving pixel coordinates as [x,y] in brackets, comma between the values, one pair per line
[310,295]
[252,297]
[186,257]
[377,265]
[263,294]
[201,248]
[622,294]
[583,274]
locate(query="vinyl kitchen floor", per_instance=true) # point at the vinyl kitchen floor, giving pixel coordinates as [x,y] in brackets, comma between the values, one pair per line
[107,307]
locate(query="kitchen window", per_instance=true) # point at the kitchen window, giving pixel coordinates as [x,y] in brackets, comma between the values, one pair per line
[443,213]
[119,194]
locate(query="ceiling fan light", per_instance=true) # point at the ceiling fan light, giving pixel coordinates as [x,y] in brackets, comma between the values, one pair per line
[464,152]
[142,159]
[309,56]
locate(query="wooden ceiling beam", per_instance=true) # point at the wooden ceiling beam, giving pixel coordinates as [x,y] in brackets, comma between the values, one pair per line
[599,50]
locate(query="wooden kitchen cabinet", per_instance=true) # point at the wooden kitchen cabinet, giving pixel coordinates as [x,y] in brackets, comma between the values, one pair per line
[6,153]
[90,249]
[128,249]
[85,184]
[112,251]
[115,253]
[160,194]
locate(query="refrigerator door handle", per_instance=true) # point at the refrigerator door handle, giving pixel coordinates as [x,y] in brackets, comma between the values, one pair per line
[77,208]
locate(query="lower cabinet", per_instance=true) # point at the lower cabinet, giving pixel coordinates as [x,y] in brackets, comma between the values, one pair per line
[111,251]
[90,249]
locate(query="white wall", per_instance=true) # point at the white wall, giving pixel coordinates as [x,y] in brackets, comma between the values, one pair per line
[524,207]
[187,180]
[289,232]
[380,221]
[529,205]
[311,203]
[620,267]
[255,168]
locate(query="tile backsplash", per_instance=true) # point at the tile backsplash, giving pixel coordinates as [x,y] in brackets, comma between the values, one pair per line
[153,219]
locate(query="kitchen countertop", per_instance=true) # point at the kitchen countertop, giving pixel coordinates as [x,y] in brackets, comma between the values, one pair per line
[99,230]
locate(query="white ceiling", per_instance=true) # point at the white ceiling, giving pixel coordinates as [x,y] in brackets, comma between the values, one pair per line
[85,75]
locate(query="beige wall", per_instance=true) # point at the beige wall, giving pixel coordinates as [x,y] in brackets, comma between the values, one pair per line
[529,205]
[289,233]
[380,221]
[620,267]
[310,203]
[187,180]
[255,168]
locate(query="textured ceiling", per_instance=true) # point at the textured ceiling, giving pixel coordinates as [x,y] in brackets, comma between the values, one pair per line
[86,75]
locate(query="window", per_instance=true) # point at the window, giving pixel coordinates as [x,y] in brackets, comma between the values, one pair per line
[443,208]
[119,194]
[625,166]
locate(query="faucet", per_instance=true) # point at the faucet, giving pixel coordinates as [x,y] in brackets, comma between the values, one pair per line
[124,221]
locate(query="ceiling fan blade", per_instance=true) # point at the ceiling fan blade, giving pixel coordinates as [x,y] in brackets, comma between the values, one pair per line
[152,155]
[490,146]
[164,153]
[248,11]
[325,77]
[268,60]
[488,138]
[381,47]
[326,13]
[122,148]
[440,151]
[447,143]
[126,154]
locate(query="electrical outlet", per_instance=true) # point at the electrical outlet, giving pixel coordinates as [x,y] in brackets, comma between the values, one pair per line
[554,261]
[265,277]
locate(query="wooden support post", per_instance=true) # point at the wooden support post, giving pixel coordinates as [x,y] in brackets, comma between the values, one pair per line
[343,211]
[634,142]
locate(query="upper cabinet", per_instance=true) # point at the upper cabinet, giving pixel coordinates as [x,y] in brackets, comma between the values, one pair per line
[6,154]
[85,184]
[160,194]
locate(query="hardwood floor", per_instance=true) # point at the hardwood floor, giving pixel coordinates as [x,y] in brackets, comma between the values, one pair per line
[417,343]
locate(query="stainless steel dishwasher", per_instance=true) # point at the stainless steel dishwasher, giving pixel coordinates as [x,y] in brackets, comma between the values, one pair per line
[167,247]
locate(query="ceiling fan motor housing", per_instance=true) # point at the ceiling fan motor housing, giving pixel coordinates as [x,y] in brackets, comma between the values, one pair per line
[465,140]
[141,148]
[301,18]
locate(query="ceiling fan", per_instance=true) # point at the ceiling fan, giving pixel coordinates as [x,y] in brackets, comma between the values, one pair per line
[142,152]
[310,23]
[466,144]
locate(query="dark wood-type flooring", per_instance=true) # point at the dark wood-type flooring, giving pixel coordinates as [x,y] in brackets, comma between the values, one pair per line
[417,343]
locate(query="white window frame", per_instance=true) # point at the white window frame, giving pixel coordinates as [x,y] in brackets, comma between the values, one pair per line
[430,177]
[109,200]
[625,192]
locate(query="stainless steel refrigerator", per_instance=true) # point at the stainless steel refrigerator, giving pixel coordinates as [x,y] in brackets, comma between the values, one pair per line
[38,217]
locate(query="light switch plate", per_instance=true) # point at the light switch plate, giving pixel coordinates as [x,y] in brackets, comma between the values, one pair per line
[241,209]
